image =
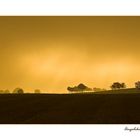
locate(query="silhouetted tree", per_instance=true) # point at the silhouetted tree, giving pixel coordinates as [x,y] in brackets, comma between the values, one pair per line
[137,84]
[1,91]
[80,88]
[88,89]
[37,91]
[123,85]
[7,91]
[70,89]
[118,85]
[73,89]
[18,90]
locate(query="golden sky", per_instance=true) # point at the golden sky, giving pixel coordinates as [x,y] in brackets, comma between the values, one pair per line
[51,53]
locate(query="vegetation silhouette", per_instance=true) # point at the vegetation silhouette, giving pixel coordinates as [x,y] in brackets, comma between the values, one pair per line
[117,85]
[98,89]
[6,91]
[137,84]
[37,91]
[80,88]
[18,91]
[110,106]
[1,91]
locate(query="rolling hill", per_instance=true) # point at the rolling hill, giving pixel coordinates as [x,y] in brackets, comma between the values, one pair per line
[107,107]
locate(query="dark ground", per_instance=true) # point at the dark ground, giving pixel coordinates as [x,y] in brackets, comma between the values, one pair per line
[70,109]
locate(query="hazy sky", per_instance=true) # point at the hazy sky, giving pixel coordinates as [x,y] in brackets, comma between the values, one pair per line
[51,53]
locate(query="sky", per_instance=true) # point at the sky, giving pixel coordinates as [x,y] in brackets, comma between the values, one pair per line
[51,53]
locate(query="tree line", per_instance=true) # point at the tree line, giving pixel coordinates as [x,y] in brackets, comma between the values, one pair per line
[115,86]
[18,91]
[80,88]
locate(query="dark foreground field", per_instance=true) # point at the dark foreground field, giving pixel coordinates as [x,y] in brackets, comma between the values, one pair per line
[70,109]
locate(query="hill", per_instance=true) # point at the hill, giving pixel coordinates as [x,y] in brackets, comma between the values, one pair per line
[110,108]
[120,91]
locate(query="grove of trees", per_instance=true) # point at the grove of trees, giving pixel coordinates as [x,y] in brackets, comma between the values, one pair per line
[80,88]
[118,85]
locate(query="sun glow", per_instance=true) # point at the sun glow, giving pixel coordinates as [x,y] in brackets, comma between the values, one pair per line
[115,68]
[51,53]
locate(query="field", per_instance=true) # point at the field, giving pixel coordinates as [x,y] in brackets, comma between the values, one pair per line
[117,107]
